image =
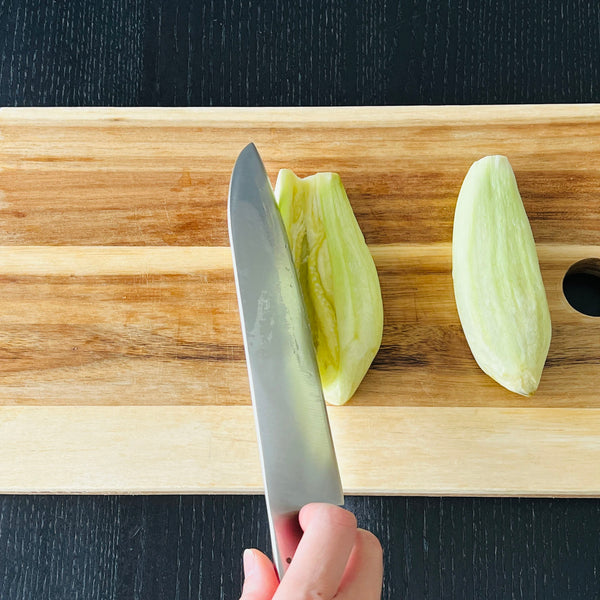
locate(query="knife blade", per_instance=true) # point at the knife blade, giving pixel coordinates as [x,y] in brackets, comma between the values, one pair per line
[297,455]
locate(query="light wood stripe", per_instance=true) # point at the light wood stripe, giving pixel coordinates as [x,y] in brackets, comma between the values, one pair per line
[381,450]
[102,261]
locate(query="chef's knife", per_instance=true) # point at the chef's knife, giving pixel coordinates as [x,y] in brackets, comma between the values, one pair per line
[296,449]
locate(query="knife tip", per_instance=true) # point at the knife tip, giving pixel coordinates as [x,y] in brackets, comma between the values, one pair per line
[251,147]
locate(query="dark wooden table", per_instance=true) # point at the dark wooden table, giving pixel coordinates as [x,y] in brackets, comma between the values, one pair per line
[319,52]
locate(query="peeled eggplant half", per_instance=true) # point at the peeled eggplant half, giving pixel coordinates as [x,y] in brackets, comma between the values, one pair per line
[498,286]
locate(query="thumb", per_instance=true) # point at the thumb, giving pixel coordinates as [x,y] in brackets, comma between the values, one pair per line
[260,579]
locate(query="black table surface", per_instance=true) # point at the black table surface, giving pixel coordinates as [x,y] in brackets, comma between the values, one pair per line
[317,52]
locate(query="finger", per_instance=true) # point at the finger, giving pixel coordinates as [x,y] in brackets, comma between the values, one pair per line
[320,559]
[363,577]
[260,579]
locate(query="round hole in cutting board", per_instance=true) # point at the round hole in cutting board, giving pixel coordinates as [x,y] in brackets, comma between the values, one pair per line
[581,286]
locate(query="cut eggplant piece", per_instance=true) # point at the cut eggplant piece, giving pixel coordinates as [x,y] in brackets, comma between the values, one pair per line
[338,277]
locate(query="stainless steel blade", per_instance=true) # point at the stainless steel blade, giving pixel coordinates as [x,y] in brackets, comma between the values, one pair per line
[297,453]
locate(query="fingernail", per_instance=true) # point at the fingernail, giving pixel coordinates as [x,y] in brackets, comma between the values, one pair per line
[249,562]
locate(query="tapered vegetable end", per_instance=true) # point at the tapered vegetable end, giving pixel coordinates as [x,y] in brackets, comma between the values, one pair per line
[500,295]
[338,277]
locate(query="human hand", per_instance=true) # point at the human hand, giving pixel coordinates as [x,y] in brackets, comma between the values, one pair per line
[334,559]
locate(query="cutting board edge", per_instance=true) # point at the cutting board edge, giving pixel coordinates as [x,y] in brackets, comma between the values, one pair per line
[368,116]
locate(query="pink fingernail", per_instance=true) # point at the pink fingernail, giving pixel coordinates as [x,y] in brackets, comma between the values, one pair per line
[249,562]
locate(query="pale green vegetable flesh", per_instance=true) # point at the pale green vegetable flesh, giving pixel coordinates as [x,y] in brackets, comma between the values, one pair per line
[498,286]
[338,278]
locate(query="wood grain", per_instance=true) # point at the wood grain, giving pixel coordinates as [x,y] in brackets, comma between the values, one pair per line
[139,547]
[223,53]
[381,450]
[88,325]
[118,294]
[160,177]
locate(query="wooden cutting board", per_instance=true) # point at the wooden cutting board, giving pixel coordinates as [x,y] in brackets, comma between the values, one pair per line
[121,360]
